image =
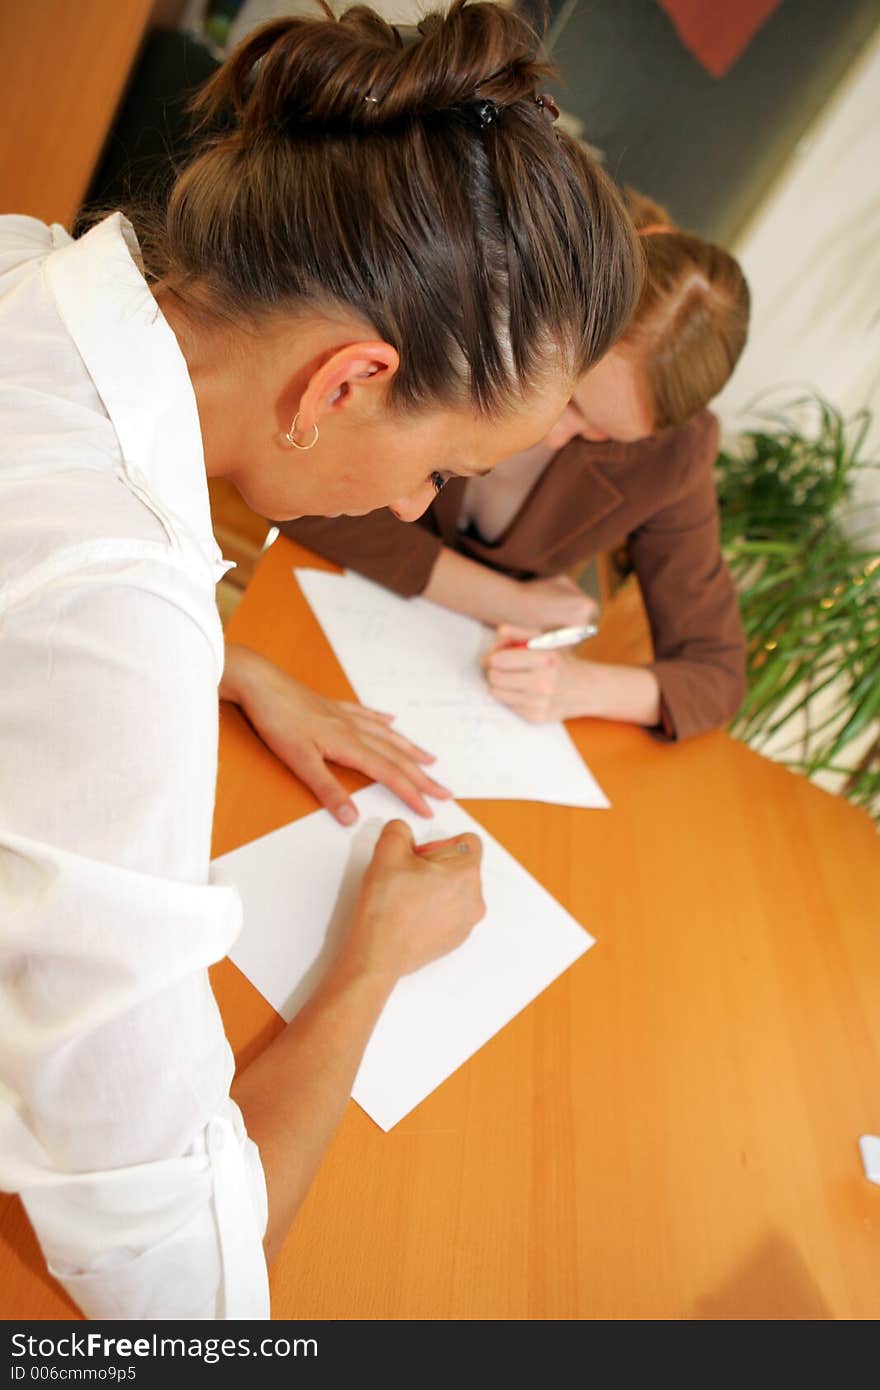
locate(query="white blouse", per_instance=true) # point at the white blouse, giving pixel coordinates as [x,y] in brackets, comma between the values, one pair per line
[116,1124]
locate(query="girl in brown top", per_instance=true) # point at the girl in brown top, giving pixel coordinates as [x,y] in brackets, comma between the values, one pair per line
[630,460]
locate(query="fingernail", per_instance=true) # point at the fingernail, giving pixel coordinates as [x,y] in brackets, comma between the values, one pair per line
[464,849]
[346,815]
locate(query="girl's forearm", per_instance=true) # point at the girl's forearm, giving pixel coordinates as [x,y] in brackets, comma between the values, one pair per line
[468,587]
[628,693]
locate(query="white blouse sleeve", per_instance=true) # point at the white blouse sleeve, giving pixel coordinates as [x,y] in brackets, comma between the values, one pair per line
[116,1124]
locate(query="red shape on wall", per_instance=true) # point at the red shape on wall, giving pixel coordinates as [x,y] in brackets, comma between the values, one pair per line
[717,32]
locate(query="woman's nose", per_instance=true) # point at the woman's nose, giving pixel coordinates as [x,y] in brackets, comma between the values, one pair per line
[411,508]
[565,429]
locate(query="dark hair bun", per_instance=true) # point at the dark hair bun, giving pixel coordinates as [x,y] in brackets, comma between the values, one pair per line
[415,179]
[358,72]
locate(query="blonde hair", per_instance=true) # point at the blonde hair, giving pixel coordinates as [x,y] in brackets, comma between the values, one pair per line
[692,319]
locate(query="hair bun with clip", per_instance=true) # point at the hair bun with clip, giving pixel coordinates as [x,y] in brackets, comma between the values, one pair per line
[547,105]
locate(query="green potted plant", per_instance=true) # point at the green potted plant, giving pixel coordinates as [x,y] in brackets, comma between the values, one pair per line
[807,566]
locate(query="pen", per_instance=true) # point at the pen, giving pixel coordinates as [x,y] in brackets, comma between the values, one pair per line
[558,637]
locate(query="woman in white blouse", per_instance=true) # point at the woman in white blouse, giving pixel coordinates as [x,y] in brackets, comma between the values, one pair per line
[370,280]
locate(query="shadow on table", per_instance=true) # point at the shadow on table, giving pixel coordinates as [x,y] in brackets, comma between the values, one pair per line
[772,1284]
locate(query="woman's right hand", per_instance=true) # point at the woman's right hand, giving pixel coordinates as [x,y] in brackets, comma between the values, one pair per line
[415,904]
[549,603]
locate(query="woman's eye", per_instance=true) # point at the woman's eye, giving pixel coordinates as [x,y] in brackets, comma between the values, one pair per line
[438,482]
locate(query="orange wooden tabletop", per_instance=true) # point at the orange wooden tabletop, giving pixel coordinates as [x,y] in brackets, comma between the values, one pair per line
[63,69]
[670,1130]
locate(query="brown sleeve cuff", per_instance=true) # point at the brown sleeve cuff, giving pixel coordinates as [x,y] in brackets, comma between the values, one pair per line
[397,554]
[695,697]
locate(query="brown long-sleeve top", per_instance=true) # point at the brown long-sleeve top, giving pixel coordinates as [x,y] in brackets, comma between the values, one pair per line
[656,495]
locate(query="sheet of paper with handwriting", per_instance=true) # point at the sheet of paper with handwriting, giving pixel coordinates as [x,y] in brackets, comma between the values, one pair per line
[420,662]
[299,886]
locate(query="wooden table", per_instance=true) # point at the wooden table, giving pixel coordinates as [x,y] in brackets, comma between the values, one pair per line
[670,1130]
[63,68]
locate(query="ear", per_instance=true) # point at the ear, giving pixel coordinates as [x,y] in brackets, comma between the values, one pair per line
[342,378]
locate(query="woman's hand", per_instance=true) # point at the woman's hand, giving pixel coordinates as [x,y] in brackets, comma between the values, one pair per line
[539,686]
[556,602]
[306,731]
[543,686]
[415,904]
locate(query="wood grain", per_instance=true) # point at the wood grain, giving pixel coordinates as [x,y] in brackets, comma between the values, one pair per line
[669,1131]
[63,69]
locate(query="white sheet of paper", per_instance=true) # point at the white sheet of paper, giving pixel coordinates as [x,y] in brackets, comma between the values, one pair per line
[869,1147]
[422,663]
[299,885]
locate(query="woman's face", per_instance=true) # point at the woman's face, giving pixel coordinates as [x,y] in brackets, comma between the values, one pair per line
[369,458]
[609,402]
[366,454]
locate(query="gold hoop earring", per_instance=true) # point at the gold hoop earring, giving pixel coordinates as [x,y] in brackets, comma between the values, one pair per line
[290,433]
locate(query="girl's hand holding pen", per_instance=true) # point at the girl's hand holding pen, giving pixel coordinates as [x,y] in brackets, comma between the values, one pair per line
[540,686]
[543,685]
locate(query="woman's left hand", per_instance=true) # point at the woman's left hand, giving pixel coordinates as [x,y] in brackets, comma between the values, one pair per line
[540,686]
[306,731]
